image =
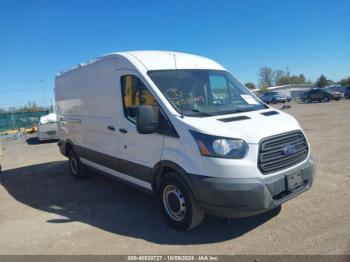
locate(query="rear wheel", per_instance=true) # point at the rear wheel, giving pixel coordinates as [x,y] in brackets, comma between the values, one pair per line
[76,168]
[178,206]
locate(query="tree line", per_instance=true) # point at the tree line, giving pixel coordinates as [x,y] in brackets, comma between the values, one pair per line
[31,106]
[269,77]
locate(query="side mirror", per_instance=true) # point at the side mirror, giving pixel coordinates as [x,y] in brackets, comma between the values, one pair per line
[146,120]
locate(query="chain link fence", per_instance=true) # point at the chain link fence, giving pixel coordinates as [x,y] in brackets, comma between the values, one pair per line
[16,120]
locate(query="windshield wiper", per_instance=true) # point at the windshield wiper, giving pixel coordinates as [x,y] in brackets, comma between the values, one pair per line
[200,112]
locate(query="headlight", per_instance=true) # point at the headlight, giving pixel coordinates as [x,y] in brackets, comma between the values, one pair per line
[221,147]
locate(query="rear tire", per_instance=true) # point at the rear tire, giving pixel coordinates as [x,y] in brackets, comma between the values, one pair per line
[178,206]
[76,168]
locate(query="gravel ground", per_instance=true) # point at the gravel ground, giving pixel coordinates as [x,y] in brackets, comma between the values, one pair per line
[43,210]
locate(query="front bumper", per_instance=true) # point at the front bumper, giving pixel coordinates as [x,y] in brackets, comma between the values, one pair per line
[237,197]
[337,97]
[43,136]
[280,100]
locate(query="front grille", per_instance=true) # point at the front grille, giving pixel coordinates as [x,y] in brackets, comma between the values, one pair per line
[51,133]
[272,157]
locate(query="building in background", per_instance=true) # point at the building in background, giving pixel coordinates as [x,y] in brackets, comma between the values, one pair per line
[293,90]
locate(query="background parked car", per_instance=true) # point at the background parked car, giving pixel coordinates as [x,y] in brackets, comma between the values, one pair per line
[319,95]
[347,92]
[47,128]
[274,97]
[336,95]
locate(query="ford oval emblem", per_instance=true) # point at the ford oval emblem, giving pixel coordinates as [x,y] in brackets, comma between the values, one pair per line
[289,150]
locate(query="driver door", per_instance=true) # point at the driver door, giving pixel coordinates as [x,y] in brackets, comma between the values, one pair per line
[139,153]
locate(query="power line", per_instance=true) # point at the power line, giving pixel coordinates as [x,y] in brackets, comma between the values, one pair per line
[22,102]
[19,91]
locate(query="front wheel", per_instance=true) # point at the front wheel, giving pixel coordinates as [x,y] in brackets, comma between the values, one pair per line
[178,206]
[326,99]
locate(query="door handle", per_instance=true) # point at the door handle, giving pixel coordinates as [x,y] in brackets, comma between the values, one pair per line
[123,130]
[112,128]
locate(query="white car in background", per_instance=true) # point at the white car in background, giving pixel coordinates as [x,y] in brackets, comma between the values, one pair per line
[274,98]
[47,128]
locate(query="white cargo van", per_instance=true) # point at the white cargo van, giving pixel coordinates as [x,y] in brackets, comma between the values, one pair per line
[183,127]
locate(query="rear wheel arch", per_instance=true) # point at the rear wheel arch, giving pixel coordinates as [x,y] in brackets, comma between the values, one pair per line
[68,146]
[79,171]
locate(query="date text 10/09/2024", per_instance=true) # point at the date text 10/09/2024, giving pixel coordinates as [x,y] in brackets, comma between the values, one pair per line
[173,258]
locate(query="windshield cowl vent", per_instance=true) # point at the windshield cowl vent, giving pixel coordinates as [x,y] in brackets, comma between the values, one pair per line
[270,113]
[235,118]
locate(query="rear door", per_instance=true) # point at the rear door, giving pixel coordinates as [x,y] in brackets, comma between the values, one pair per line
[320,95]
[313,95]
[139,153]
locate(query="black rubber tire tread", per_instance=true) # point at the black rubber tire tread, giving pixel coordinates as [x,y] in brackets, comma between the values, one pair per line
[197,215]
[82,169]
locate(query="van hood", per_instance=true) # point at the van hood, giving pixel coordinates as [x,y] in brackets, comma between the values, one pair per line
[249,126]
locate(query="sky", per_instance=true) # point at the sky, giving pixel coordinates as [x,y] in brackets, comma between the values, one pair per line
[40,38]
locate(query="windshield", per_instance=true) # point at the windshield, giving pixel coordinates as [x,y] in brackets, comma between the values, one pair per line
[204,92]
[329,90]
[275,94]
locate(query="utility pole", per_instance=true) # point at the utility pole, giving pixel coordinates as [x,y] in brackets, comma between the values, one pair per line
[43,92]
[288,75]
[13,119]
[290,88]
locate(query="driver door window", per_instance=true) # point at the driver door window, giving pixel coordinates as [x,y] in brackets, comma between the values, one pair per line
[135,93]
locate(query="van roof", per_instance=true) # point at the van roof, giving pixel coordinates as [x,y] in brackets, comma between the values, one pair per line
[158,60]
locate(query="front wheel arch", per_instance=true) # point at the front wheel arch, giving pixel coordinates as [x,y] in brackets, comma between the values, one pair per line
[164,167]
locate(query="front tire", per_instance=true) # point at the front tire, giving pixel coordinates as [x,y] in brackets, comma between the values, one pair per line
[178,206]
[76,168]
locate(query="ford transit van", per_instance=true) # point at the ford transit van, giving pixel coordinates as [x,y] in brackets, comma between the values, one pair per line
[183,127]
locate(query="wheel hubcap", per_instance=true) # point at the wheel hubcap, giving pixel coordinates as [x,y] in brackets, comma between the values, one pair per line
[174,202]
[74,165]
